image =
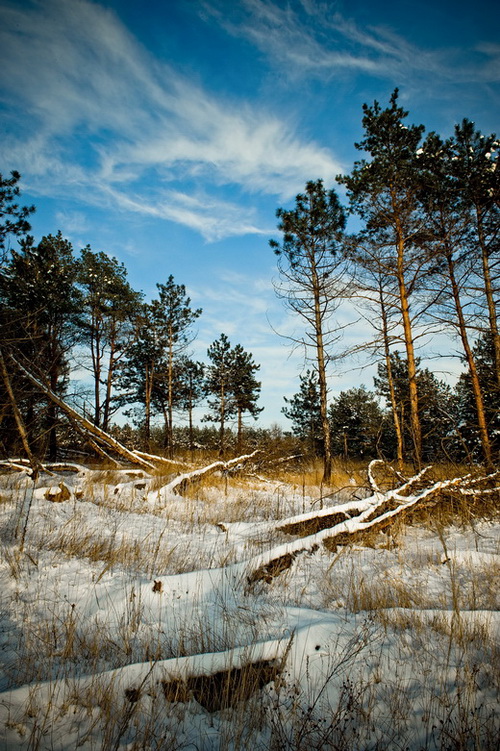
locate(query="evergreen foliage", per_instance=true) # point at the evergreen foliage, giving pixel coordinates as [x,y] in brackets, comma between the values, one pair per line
[40,315]
[358,425]
[304,410]
[14,219]
[230,380]
[437,413]
[109,308]
[485,358]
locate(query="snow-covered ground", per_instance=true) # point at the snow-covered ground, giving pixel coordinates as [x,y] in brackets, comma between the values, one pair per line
[128,621]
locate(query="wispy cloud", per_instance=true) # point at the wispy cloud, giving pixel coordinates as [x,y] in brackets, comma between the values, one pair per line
[213,219]
[71,70]
[308,37]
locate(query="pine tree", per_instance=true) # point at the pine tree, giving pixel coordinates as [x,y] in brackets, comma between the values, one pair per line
[139,375]
[191,379]
[109,306]
[220,376]
[437,414]
[13,218]
[150,375]
[313,281]
[357,424]
[174,316]
[449,218]
[383,191]
[245,388]
[40,305]
[304,410]
[484,356]
[474,163]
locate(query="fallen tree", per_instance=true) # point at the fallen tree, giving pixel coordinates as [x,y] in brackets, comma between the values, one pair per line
[84,425]
[377,512]
[100,440]
[180,483]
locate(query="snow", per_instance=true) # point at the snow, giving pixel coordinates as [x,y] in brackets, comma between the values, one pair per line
[116,595]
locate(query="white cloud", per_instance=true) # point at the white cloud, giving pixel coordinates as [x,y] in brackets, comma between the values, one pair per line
[71,222]
[72,71]
[213,219]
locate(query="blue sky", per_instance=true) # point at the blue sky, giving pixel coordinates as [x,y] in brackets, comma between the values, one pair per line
[168,133]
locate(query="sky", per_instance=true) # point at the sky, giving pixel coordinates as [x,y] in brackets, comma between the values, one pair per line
[167,134]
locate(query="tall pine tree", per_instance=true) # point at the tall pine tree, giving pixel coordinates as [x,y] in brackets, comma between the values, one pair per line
[313,281]
[383,191]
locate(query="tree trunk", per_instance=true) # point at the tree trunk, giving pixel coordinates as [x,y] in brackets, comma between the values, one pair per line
[222,421]
[85,424]
[323,389]
[170,397]
[147,406]
[489,293]
[240,430]
[109,381]
[166,431]
[390,382]
[191,431]
[54,373]
[476,387]
[96,366]
[410,351]
[18,418]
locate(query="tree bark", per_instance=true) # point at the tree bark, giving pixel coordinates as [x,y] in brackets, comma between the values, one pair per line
[390,382]
[147,406]
[35,466]
[222,416]
[489,293]
[323,389]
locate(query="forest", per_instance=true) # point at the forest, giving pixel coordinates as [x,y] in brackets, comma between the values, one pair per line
[423,262]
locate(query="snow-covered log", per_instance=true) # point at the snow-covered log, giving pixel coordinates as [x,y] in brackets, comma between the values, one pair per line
[156,459]
[216,680]
[180,483]
[379,512]
[17,465]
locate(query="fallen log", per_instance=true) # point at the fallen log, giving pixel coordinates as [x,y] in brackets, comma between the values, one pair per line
[85,425]
[180,483]
[310,522]
[21,428]
[157,459]
[17,465]
[380,512]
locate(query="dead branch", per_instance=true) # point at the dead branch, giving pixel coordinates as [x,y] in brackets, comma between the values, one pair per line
[99,450]
[157,459]
[21,428]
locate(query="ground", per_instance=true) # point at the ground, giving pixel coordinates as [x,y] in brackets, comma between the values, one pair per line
[130,620]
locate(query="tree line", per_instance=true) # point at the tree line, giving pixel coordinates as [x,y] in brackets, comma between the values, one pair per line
[61,312]
[423,262]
